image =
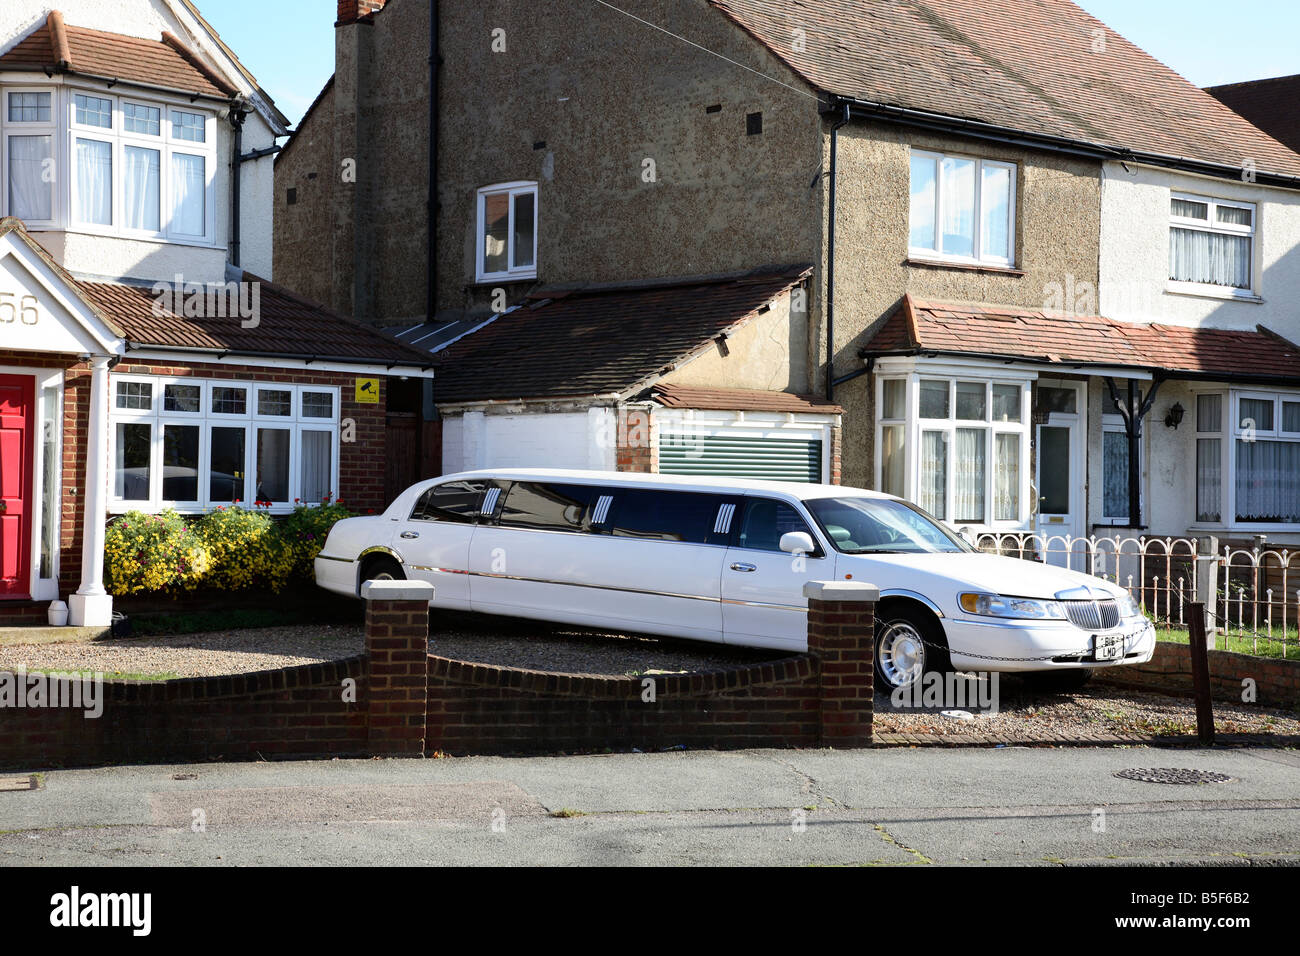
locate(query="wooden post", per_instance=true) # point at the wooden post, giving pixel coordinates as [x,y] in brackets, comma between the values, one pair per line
[1201,674]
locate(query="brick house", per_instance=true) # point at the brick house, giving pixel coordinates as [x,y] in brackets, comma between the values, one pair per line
[146,360]
[1024,277]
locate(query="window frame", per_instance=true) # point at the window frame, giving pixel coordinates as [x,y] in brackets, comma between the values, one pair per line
[914,426]
[977,256]
[510,190]
[206,420]
[1229,434]
[48,128]
[1211,225]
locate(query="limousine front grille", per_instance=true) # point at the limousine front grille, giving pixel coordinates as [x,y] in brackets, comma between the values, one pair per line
[1093,615]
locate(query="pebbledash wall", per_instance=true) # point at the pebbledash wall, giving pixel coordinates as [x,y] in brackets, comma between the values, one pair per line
[398,699]
[361,473]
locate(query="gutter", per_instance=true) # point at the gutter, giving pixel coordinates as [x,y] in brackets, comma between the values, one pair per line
[1067,365]
[305,357]
[1046,142]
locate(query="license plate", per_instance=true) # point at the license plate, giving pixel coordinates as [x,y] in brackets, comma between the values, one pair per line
[1108,647]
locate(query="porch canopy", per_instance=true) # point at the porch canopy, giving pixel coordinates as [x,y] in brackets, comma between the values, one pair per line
[1089,345]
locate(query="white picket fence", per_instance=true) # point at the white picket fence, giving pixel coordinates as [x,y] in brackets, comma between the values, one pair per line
[1255,593]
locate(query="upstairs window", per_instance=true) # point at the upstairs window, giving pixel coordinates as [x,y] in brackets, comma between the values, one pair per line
[507,232]
[962,209]
[1211,244]
[133,167]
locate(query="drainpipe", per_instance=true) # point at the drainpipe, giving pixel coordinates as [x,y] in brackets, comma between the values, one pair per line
[830,261]
[238,111]
[431,266]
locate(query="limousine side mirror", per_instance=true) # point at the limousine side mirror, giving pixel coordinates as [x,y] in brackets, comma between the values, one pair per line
[797,542]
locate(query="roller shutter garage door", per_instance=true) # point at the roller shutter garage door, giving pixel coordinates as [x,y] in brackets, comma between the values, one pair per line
[741,456]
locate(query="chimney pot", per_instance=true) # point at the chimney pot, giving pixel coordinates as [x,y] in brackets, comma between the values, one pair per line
[350,11]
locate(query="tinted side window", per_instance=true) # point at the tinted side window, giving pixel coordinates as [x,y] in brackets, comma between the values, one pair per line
[664,515]
[456,501]
[546,507]
[765,521]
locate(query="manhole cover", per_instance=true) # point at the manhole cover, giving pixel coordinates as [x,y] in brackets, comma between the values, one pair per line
[1173,775]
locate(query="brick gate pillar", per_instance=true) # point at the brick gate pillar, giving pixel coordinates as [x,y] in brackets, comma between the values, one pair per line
[841,626]
[397,647]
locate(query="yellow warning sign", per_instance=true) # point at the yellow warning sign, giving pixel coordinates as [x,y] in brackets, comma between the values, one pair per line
[368,391]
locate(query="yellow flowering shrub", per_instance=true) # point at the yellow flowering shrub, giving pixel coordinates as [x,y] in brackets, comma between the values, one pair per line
[305,532]
[149,553]
[248,552]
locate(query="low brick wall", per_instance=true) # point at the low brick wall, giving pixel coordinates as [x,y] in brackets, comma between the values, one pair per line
[295,711]
[821,698]
[399,700]
[1277,682]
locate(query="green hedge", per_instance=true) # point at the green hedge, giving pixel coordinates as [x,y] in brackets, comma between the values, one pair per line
[228,549]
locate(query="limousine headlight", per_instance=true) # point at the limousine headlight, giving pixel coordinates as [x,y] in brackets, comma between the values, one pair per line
[999,605]
[1128,607]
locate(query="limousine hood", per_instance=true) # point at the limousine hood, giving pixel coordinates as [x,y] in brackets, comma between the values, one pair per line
[989,573]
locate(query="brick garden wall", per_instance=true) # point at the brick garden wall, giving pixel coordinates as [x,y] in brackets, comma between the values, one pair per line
[1277,681]
[407,702]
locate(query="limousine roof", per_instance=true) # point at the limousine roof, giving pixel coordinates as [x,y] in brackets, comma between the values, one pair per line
[680,482]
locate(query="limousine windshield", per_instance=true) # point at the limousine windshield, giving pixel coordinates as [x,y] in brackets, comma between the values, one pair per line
[882,526]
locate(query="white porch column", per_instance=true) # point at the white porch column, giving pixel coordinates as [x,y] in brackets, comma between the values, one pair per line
[92,606]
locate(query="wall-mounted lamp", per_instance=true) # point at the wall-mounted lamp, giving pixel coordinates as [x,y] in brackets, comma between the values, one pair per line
[1174,417]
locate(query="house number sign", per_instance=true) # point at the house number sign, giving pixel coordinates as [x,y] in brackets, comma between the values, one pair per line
[24,310]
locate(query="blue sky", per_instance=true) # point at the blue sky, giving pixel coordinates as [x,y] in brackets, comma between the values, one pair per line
[289,44]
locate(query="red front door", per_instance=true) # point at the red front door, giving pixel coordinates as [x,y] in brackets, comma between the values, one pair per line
[17,399]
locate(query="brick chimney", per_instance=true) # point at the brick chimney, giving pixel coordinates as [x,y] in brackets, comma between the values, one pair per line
[350,11]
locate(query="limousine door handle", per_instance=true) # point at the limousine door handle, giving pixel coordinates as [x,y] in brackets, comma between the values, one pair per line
[740,566]
[410,534]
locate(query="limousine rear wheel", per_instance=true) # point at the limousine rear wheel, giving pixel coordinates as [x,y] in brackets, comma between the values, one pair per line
[909,643]
[382,569]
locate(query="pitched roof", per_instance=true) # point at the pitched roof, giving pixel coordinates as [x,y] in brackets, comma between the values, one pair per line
[288,325]
[1273,105]
[1026,65]
[740,399]
[1053,339]
[606,339]
[165,62]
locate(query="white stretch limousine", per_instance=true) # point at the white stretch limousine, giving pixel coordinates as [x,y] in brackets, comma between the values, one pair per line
[721,559]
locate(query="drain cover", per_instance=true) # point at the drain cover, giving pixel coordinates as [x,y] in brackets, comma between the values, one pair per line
[1173,775]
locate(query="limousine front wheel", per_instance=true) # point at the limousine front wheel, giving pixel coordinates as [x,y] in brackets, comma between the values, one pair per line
[908,643]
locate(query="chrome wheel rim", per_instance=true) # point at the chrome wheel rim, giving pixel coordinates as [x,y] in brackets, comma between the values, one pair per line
[900,652]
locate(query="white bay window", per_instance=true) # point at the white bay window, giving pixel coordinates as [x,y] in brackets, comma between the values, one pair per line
[133,166]
[193,444]
[957,446]
[1248,459]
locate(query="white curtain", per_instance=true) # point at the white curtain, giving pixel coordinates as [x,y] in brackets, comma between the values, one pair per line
[995,207]
[934,473]
[958,206]
[1114,466]
[1209,478]
[1006,478]
[94,182]
[970,462]
[273,464]
[189,183]
[1209,257]
[316,454]
[1268,481]
[1209,413]
[29,194]
[140,188]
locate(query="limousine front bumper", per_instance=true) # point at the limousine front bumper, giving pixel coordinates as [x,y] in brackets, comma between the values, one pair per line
[1036,646]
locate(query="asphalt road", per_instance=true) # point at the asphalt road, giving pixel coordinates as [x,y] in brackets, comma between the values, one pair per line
[900,807]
